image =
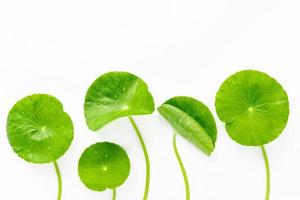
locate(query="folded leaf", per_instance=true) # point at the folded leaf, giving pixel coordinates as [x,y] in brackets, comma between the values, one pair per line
[192,120]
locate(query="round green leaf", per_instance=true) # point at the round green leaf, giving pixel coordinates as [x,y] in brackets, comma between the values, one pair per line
[254,107]
[38,129]
[103,165]
[191,119]
[114,95]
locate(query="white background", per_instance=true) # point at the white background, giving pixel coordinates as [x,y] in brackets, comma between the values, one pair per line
[179,47]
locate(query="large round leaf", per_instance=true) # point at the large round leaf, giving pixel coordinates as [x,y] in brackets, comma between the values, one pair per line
[254,107]
[191,119]
[103,165]
[38,129]
[114,95]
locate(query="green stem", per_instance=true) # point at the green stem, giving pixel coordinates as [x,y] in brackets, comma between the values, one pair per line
[114,194]
[58,180]
[147,184]
[268,176]
[183,171]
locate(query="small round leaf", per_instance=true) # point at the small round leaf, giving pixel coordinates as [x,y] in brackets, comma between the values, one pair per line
[38,129]
[191,119]
[254,107]
[114,95]
[103,165]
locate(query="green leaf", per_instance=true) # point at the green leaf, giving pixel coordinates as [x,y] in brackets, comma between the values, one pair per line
[103,165]
[192,120]
[114,95]
[38,129]
[254,107]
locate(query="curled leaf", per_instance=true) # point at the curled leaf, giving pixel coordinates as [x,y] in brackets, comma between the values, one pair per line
[114,95]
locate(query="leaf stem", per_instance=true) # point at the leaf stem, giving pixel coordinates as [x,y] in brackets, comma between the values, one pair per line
[58,180]
[114,194]
[183,171]
[268,175]
[147,184]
